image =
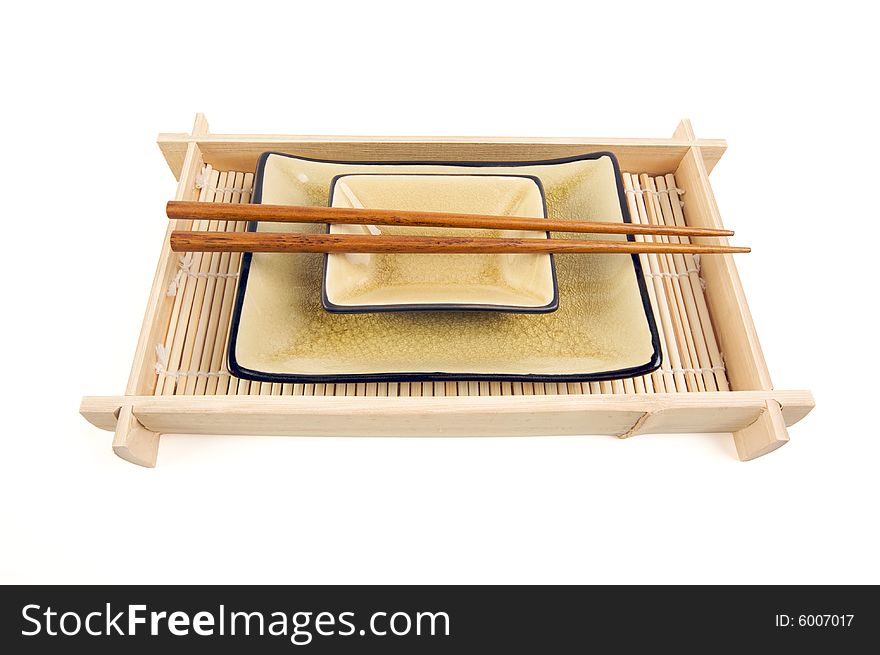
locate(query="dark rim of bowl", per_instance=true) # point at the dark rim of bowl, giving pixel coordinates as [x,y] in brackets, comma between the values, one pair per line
[257,376]
[552,306]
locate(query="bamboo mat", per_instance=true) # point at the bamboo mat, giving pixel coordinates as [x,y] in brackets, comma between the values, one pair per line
[192,359]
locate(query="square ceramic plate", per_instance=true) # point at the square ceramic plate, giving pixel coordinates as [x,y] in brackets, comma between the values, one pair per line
[603,329]
[355,282]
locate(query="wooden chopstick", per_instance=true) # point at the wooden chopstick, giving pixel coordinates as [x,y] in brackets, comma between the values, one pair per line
[182,241]
[177,209]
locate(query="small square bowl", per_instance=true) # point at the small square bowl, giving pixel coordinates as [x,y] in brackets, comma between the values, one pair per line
[361,283]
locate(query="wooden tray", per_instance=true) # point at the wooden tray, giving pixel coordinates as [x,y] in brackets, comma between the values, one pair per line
[713,378]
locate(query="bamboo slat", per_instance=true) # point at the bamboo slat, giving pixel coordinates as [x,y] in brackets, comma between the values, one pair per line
[186,289]
[674,294]
[692,266]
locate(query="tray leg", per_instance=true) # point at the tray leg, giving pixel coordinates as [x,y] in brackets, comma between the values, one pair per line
[763,436]
[132,441]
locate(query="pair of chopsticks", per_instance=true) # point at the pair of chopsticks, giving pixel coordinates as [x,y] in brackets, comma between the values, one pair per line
[183,241]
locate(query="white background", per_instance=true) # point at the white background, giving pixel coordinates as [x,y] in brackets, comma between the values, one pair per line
[88,87]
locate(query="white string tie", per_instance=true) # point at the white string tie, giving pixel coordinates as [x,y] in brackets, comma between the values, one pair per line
[203,181]
[691,270]
[674,276]
[708,369]
[161,358]
[184,266]
[162,367]
[223,189]
[659,192]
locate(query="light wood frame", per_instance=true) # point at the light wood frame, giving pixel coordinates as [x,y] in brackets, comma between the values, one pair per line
[755,413]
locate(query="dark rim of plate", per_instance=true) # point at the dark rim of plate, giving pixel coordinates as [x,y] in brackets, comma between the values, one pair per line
[552,306]
[257,376]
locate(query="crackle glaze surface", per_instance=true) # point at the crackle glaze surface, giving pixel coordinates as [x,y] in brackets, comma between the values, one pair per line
[600,329]
[507,280]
